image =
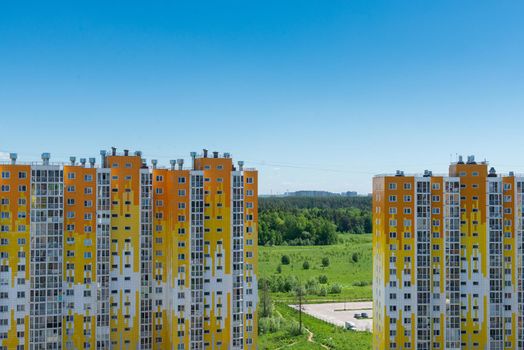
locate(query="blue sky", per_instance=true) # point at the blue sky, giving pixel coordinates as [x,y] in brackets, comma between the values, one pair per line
[315,94]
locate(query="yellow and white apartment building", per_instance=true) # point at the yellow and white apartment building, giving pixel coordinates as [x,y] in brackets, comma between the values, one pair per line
[448,260]
[126,255]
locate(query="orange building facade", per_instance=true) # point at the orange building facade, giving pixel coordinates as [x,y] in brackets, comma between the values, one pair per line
[448,259]
[128,256]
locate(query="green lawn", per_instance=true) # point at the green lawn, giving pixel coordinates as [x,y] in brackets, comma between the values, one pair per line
[341,270]
[323,333]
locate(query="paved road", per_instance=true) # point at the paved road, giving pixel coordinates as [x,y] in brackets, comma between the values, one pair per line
[340,313]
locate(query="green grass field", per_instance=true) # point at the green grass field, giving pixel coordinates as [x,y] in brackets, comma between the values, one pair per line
[325,334]
[341,270]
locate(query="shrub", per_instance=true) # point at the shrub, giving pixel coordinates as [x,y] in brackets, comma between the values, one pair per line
[312,287]
[354,257]
[294,329]
[335,289]
[323,291]
[322,279]
[269,324]
[305,265]
[325,262]
[279,268]
[285,260]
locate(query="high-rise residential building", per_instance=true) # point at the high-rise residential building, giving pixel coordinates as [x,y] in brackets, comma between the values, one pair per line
[448,260]
[128,256]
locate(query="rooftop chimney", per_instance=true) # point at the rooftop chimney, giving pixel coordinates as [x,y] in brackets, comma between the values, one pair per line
[72,159]
[113,151]
[45,158]
[83,162]
[492,172]
[92,162]
[154,163]
[461,161]
[471,160]
[512,173]
[205,152]
[215,154]
[126,152]
[173,163]
[138,153]
[240,165]
[13,157]
[180,163]
[227,155]
[399,173]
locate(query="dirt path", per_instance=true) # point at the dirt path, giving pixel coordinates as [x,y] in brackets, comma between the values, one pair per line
[310,336]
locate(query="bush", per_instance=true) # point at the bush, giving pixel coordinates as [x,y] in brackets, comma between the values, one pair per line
[354,257]
[269,324]
[360,284]
[323,291]
[312,287]
[305,265]
[285,260]
[322,279]
[335,289]
[294,329]
[325,262]
[279,269]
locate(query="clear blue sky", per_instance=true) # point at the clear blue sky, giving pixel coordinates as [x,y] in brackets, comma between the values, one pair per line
[316,94]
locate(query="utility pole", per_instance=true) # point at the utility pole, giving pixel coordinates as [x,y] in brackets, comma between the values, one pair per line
[300,295]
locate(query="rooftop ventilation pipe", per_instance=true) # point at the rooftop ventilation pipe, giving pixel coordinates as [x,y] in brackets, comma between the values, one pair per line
[13,157]
[45,158]
[103,154]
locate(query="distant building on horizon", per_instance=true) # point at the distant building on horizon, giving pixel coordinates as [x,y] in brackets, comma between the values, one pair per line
[128,256]
[448,260]
[313,193]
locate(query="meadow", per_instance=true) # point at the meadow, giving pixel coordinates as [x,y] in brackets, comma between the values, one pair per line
[350,267]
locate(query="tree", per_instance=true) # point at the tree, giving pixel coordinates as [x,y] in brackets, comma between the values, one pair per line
[305,265]
[325,261]
[285,260]
[265,300]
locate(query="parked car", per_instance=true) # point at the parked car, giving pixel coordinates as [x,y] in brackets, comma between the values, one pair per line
[364,315]
[358,316]
[350,326]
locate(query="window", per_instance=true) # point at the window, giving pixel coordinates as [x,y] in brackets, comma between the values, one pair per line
[181,192]
[181,180]
[392,199]
[22,175]
[6,174]
[392,186]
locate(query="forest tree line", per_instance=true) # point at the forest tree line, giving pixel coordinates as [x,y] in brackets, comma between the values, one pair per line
[311,220]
